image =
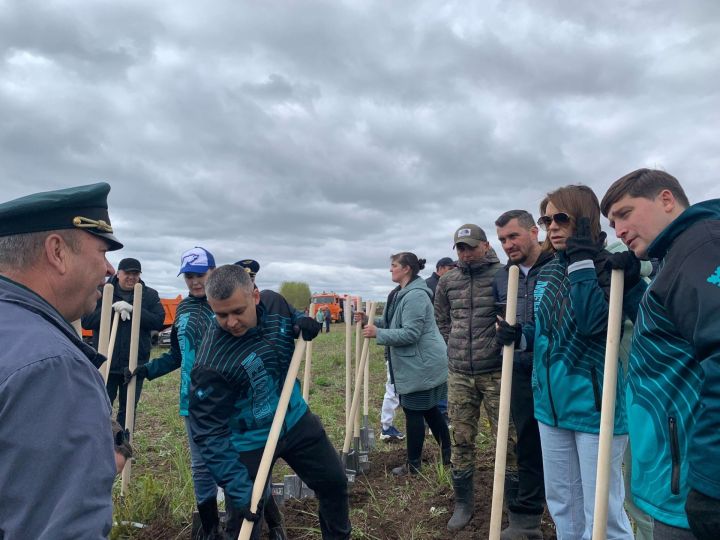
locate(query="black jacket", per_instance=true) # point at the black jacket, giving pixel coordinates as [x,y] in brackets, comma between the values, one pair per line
[526,289]
[432,282]
[152,318]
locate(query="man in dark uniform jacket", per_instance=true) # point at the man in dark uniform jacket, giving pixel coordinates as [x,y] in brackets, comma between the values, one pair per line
[58,465]
[443,266]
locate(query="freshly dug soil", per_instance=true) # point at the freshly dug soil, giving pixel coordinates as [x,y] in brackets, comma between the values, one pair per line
[411,506]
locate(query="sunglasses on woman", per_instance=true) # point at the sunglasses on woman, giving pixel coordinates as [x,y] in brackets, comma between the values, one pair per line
[561,218]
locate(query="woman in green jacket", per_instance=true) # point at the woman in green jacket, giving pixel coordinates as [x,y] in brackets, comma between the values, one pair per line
[417,357]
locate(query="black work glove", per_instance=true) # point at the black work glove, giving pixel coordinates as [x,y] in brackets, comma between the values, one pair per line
[235,516]
[703,514]
[309,328]
[580,246]
[507,334]
[629,264]
[140,372]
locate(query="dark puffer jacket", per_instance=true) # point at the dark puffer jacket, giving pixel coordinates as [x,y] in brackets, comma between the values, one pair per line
[465,313]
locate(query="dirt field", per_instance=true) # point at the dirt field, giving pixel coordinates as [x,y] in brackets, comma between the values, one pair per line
[392,511]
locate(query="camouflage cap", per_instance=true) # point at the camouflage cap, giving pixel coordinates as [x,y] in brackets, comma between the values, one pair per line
[81,207]
[469,234]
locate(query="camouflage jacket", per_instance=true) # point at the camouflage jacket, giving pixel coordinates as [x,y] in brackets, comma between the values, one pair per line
[465,313]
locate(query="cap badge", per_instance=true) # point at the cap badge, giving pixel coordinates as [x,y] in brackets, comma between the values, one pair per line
[464,232]
[87,223]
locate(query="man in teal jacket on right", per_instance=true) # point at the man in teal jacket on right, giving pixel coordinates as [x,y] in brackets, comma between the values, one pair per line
[673,395]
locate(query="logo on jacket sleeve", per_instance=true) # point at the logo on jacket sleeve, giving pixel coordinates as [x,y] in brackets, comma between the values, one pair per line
[714,278]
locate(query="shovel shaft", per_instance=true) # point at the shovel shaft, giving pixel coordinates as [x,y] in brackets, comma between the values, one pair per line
[132,365]
[354,407]
[607,410]
[105,318]
[111,347]
[308,371]
[504,411]
[348,359]
[273,436]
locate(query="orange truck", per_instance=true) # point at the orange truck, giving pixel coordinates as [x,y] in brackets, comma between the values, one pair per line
[334,302]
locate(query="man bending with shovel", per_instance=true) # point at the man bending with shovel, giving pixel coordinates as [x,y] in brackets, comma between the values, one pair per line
[235,388]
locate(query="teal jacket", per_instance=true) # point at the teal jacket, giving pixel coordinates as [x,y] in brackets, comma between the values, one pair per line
[192,318]
[235,389]
[418,354]
[673,395]
[569,334]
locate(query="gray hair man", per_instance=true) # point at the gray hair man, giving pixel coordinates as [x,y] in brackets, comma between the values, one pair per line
[58,453]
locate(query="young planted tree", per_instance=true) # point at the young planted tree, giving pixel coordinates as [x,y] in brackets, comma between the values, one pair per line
[297,293]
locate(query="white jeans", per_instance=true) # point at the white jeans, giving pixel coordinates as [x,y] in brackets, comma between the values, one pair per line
[391,401]
[570,467]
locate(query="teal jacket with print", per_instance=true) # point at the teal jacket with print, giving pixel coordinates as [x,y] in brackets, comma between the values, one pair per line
[673,395]
[569,334]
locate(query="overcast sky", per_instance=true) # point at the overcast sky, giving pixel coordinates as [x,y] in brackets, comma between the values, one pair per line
[319,137]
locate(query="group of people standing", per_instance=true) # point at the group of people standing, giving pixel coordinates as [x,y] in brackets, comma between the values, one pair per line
[668,386]
[233,344]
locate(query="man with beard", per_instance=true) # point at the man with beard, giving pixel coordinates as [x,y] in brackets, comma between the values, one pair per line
[465,313]
[518,235]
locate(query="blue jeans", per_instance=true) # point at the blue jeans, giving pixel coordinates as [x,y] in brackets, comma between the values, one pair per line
[205,486]
[570,468]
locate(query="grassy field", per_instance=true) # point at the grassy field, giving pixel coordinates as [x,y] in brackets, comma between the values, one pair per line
[161,494]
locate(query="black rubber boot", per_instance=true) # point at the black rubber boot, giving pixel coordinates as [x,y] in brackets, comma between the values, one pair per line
[274,519]
[510,491]
[411,467]
[464,499]
[445,453]
[522,527]
[277,533]
[208,512]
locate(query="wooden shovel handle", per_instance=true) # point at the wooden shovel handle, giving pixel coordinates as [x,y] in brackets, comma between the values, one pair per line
[277,423]
[504,410]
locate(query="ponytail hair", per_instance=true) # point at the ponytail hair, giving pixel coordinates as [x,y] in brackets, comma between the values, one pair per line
[406,258]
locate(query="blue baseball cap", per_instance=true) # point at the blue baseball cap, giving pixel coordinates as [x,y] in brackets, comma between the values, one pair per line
[198,260]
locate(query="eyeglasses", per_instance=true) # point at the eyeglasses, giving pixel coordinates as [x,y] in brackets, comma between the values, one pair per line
[561,218]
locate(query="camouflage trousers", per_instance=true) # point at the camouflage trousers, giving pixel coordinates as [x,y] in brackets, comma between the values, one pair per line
[466,393]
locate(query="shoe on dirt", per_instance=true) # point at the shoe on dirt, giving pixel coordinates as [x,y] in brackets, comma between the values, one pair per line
[391,434]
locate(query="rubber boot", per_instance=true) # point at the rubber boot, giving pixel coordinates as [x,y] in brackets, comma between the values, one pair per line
[510,491]
[464,499]
[522,527]
[274,519]
[411,467]
[277,533]
[445,454]
[208,512]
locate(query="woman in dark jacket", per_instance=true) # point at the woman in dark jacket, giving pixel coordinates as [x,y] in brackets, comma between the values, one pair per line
[417,357]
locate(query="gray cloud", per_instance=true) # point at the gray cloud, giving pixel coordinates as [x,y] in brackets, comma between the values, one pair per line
[320,137]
